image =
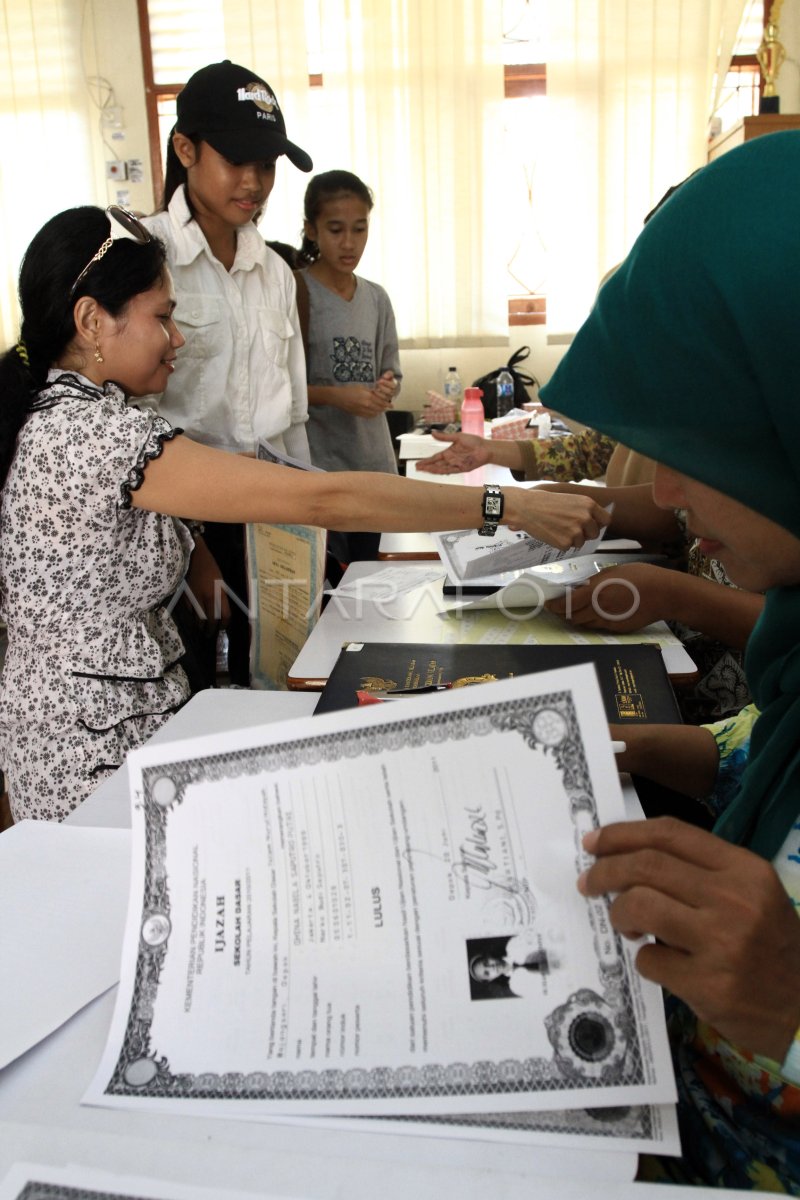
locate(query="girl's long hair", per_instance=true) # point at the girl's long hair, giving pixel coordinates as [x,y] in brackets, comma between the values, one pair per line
[175,173]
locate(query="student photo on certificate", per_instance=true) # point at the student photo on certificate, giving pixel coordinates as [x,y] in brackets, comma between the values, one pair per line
[513,966]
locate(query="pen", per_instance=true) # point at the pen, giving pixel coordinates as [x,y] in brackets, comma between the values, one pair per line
[619,747]
[417,691]
[365,697]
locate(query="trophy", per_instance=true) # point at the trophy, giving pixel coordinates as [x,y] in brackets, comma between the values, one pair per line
[770,55]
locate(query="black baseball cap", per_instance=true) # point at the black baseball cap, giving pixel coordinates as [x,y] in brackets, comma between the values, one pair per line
[237,114]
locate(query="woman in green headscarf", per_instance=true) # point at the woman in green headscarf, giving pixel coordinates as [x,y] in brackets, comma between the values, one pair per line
[691,356]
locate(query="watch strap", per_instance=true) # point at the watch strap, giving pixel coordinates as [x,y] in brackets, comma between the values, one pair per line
[492,509]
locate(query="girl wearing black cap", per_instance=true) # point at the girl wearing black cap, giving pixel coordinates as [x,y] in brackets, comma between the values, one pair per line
[241,376]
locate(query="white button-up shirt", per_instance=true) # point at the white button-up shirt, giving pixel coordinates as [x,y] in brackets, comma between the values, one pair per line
[241,375]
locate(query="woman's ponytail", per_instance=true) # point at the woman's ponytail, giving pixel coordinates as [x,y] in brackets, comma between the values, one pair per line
[17,389]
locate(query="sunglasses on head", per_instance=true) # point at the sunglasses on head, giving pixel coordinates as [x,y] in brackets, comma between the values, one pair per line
[123,224]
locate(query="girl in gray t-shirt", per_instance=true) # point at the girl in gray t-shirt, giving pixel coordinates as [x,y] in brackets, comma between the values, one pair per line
[352,359]
[353,365]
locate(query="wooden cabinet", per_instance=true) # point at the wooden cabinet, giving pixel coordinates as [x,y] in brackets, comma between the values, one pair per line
[752,127]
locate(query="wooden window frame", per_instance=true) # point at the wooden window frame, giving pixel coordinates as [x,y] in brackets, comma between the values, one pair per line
[742,62]
[153,92]
[529,79]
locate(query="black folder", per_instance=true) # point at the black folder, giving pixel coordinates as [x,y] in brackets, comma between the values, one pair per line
[632,676]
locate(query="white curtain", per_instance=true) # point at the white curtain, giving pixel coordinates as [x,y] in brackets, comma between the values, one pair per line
[46,118]
[630,85]
[730,17]
[412,104]
[270,37]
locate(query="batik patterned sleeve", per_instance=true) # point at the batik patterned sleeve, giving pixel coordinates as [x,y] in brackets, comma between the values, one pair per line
[583,455]
[732,736]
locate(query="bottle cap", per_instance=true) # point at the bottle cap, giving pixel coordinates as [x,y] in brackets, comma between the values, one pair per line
[472,393]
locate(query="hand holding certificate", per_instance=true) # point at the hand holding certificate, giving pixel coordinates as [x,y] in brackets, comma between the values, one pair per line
[470,556]
[329,921]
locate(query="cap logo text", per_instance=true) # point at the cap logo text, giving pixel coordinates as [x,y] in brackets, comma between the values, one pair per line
[259,95]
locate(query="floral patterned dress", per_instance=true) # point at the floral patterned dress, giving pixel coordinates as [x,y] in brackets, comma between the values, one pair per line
[92,664]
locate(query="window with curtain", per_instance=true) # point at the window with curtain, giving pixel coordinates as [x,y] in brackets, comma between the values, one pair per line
[485,187]
[413,100]
[630,90]
[47,69]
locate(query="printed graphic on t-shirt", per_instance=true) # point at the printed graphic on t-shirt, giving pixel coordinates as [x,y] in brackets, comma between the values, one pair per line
[353,360]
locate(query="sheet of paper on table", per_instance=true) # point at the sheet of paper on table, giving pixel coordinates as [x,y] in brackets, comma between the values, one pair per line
[24,1182]
[388,583]
[309,909]
[63,896]
[33,1181]
[530,589]
[469,556]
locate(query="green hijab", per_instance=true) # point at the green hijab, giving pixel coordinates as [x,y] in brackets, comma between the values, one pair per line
[691,356]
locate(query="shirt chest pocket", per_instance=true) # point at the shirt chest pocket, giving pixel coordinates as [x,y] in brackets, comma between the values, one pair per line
[200,320]
[275,329]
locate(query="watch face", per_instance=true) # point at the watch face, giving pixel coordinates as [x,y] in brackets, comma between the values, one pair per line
[492,506]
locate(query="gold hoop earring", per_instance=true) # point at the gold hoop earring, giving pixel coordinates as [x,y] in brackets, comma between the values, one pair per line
[97,355]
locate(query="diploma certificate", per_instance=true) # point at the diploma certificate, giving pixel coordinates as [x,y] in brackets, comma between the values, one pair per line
[375,913]
[469,556]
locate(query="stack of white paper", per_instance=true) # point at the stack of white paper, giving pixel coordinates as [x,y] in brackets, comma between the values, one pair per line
[374,918]
[469,556]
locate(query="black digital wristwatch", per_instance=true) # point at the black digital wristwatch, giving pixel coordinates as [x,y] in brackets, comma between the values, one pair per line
[492,509]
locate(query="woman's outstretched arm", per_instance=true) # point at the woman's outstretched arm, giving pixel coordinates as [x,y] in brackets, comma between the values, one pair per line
[194,481]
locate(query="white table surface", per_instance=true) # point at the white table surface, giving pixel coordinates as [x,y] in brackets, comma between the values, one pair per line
[407,545]
[411,617]
[476,478]
[415,444]
[215,710]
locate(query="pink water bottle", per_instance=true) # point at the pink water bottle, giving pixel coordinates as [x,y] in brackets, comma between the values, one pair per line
[472,411]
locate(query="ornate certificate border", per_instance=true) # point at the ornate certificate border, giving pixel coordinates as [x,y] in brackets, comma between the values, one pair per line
[65,1191]
[621,1121]
[594,1035]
